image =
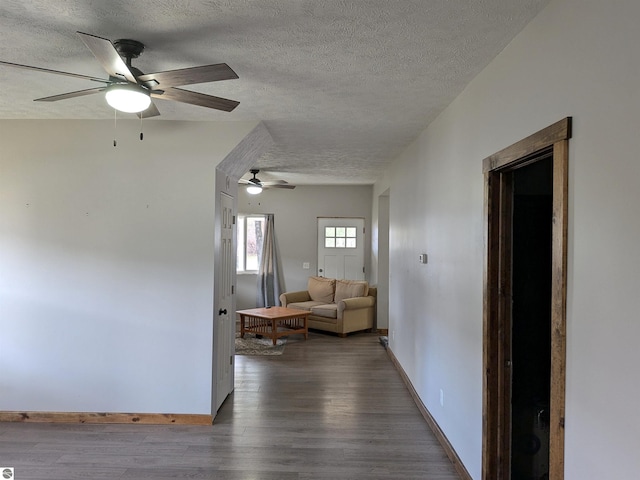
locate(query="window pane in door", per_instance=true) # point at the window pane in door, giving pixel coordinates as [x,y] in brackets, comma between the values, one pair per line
[340,237]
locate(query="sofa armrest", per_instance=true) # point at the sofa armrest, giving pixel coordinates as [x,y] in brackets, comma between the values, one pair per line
[355,314]
[292,297]
[356,302]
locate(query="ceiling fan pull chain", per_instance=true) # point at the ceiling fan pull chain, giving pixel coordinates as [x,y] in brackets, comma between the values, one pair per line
[141,134]
[115,126]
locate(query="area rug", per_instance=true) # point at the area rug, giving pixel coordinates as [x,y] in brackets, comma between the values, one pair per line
[250,345]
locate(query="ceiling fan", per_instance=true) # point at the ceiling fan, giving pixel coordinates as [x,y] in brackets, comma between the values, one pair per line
[135,89]
[255,185]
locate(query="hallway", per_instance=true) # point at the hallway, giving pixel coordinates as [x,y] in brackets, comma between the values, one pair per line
[329,408]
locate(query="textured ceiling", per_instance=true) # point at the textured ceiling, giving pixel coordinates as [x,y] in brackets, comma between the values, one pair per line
[342,86]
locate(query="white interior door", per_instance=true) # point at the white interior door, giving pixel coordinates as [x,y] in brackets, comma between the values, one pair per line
[224,331]
[341,248]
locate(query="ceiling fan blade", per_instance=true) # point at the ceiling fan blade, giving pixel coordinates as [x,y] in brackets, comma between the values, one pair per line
[108,56]
[267,185]
[64,96]
[195,98]
[151,111]
[189,76]
[46,70]
[272,183]
[279,185]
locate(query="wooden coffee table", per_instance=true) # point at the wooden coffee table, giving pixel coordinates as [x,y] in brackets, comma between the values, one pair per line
[268,321]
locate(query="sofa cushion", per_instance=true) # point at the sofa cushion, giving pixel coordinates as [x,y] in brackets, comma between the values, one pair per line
[304,305]
[350,289]
[329,310]
[321,289]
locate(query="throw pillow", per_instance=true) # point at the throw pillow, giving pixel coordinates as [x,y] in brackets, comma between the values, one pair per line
[321,289]
[350,289]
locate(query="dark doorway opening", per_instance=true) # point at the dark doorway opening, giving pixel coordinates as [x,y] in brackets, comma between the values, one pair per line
[524,314]
[531,319]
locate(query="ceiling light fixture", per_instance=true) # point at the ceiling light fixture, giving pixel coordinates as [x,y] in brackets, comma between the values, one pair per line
[128,97]
[254,186]
[254,189]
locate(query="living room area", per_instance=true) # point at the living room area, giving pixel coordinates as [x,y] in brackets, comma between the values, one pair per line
[296,214]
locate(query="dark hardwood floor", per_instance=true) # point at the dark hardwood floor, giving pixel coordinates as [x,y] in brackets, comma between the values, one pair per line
[329,408]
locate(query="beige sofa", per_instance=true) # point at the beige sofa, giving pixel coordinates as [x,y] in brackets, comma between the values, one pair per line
[339,306]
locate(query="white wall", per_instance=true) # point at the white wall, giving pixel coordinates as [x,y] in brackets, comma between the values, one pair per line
[296,212]
[106,264]
[380,257]
[578,58]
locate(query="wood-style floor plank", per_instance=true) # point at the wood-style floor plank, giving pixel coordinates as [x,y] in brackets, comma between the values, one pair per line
[328,408]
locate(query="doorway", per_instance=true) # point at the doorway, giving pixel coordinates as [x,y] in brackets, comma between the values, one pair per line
[525,307]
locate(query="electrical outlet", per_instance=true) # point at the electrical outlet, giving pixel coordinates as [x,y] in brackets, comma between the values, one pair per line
[305,265]
[441,398]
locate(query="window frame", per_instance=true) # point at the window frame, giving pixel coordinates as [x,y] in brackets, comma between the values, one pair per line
[241,248]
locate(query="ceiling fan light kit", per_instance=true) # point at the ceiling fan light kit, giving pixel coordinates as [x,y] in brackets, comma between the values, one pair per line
[128,97]
[254,189]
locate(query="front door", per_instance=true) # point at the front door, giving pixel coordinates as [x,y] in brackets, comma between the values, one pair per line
[341,248]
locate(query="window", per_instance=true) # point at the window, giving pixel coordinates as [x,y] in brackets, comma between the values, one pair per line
[250,232]
[340,237]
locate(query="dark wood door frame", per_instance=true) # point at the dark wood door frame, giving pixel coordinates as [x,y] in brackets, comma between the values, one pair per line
[498,168]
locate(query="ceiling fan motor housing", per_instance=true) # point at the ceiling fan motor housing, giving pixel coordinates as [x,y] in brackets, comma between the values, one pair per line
[129,48]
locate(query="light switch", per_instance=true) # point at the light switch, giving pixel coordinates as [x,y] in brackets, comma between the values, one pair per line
[422,258]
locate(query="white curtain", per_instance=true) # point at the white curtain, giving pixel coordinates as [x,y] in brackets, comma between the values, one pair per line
[270,284]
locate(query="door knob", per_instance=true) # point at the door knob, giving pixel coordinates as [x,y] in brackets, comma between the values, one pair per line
[222,311]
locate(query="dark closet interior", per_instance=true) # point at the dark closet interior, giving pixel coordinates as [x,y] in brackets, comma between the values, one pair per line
[531,320]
